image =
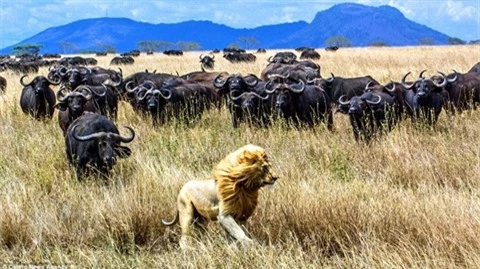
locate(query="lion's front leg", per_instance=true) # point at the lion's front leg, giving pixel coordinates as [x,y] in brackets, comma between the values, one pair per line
[231,226]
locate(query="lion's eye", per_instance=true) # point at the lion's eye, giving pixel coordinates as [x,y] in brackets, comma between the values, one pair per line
[265,168]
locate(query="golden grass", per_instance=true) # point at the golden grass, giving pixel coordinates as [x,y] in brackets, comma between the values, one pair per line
[408,200]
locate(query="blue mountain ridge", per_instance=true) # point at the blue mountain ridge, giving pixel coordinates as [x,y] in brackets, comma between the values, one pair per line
[361,24]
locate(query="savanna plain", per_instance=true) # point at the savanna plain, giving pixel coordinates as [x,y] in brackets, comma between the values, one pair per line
[410,199]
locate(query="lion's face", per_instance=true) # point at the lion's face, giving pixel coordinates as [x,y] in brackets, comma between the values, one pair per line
[268,178]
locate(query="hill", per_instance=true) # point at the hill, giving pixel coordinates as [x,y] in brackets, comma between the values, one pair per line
[361,24]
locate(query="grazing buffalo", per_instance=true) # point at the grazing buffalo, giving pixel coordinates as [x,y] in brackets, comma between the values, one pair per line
[424,98]
[122,60]
[300,104]
[284,57]
[298,71]
[93,140]
[331,48]
[37,98]
[310,54]
[237,57]
[207,62]
[370,112]
[173,52]
[261,50]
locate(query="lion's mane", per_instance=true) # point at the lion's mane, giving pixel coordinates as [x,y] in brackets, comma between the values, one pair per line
[238,178]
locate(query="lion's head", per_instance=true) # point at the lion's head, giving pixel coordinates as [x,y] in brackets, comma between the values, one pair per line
[239,176]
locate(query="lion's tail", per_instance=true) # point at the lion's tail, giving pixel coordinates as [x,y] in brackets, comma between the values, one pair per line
[172,222]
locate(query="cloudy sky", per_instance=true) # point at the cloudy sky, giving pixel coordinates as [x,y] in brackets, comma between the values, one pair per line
[21,19]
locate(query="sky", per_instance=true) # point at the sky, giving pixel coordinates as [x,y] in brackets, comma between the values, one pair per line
[21,19]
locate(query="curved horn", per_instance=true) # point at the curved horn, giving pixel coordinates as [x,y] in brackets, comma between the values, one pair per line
[376,102]
[125,139]
[454,78]
[200,57]
[251,84]
[274,76]
[166,97]
[392,90]
[267,87]
[217,82]
[128,87]
[60,96]
[23,83]
[294,88]
[313,81]
[149,83]
[213,56]
[52,82]
[259,96]
[368,85]
[330,79]
[421,73]
[238,97]
[404,84]
[84,138]
[443,83]
[139,95]
[87,95]
[63,71]
[269,59]
[342,102]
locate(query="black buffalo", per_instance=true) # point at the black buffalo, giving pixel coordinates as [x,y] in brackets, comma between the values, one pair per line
[122,60]
[463,90]
[338,86]
[300,104]
[207,62]
[37,98]
[370,112]
[93,140]
[424,98]
[71,105]
[310,54]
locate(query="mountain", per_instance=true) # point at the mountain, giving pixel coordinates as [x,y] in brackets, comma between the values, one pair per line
[361,24]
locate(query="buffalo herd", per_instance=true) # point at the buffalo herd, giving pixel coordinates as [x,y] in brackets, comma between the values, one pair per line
[287,90]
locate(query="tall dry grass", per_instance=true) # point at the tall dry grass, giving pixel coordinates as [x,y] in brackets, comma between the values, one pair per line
[408,200]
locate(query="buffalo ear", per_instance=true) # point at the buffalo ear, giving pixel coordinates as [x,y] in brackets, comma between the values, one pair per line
[122,151]
[62,106]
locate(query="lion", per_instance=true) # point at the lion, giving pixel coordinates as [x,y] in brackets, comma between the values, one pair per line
[231,197]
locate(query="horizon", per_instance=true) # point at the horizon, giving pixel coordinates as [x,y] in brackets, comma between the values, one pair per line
[454,18]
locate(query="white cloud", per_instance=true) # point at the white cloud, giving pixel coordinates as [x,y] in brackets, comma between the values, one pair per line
[458,11]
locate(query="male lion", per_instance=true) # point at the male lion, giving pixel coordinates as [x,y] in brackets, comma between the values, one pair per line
[231,197]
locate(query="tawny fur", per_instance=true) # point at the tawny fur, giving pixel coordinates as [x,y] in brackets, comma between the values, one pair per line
[231,197]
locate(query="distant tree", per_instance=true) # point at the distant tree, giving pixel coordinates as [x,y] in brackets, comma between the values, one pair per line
[456,41]
[188,45]
[153,45]
[67,47]
[104,47]
[234,45]
[27,48]
[474,42]
[338,41]
[426,41]
[378,44]
[248,42]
